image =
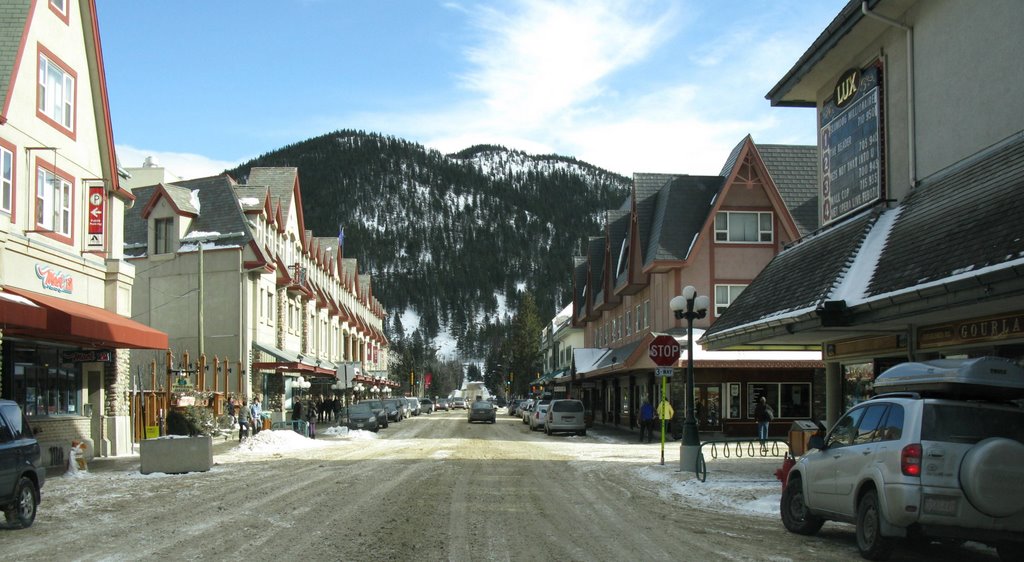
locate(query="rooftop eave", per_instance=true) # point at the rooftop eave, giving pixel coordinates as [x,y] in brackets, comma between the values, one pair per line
[790,91]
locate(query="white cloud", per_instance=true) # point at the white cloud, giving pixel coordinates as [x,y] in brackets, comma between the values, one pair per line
[182,164]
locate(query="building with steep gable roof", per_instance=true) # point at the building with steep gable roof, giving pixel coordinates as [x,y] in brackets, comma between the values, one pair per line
[712,232]
[921,252]
[273,296]
[66,321]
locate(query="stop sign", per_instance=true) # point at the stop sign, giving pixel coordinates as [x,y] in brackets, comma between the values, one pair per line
[664,351]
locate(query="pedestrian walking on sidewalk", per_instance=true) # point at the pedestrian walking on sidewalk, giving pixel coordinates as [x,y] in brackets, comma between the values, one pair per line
[244,419]
[646,421]
[311,417]
[296,409]
[256,410]
[763,415]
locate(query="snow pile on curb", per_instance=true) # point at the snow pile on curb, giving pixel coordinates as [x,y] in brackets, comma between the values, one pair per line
[346,433]
[279,441]
[722,492]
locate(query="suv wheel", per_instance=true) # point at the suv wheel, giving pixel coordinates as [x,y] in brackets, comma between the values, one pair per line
[1010,551]
[22,512]
[795,516]
[870,542]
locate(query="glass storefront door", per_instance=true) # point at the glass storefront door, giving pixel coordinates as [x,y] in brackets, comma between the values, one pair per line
[707,399]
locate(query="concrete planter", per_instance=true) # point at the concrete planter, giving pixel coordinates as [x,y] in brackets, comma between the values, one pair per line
[174,454]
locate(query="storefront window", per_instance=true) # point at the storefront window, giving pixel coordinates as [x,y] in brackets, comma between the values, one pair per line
[787,400]
[41,384]
[858,383]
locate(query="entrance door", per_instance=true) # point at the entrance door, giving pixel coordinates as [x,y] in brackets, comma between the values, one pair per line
[707,398]
[95,401]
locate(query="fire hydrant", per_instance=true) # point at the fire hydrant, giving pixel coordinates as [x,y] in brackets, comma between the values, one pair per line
[782,473]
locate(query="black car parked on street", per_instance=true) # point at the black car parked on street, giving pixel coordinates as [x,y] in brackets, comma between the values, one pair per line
[21,475]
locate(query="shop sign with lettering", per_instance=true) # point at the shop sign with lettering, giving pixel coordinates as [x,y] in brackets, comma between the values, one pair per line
[87,356]
[995,328]
[54,279]
[850,139]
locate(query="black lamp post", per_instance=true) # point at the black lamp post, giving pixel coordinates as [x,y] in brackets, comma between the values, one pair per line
[689,306]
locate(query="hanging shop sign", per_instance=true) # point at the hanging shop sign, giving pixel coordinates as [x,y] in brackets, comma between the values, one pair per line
[96,218]
[850,144]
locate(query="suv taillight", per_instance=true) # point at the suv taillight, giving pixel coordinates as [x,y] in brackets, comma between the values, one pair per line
[910,460]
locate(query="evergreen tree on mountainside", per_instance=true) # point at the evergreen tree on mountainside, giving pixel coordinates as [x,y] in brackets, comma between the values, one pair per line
[450,235]
[524,345]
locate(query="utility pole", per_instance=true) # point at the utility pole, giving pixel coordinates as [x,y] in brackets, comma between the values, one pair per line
[201,334]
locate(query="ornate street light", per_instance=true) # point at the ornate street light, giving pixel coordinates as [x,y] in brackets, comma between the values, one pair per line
[691,307]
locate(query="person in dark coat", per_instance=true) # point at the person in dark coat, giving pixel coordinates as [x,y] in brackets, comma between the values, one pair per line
[763,414]
[296,409]
[647,421]
[244,419]
[311,415]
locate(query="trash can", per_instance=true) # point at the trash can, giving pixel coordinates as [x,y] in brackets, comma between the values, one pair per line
[799,434]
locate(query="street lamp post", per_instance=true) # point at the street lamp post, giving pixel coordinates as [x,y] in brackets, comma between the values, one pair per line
[691,307]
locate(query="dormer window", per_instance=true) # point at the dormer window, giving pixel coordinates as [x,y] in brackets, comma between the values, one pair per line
[163,236]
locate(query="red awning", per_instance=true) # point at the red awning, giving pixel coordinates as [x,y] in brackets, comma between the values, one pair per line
[18,312]
[76,322]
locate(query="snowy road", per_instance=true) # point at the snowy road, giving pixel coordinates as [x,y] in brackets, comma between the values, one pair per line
[430,488]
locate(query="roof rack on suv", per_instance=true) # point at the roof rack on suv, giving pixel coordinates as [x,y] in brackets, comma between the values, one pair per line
[980,378]
[905,394]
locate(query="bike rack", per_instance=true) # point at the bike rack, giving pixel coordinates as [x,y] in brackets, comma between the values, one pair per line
[770,447]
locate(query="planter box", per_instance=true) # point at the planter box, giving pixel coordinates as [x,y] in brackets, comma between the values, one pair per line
[173,455]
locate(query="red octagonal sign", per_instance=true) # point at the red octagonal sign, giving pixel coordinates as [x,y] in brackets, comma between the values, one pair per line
[664,351]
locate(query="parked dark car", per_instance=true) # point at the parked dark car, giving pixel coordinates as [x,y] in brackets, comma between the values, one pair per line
[396,408]
[426,406]
[482,411]
[21,475]
[380,410]
[360,416]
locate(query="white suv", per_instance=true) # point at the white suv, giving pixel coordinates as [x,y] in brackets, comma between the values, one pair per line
[941,456]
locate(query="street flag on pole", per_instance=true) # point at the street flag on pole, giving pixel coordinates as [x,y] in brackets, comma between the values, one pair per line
[341,237]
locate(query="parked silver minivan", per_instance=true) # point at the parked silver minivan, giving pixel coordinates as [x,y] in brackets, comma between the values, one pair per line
[565,416]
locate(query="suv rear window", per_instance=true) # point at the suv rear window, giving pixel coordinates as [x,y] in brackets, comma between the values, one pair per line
[567,406]
[966,423]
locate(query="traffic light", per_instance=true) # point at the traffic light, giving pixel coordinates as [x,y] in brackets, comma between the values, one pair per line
[412,378]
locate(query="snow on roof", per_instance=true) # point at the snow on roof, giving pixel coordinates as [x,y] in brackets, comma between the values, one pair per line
[854,282]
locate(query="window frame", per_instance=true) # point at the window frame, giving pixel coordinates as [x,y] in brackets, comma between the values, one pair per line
[165,226]
[63,12]
[721,307]
[722,233]
[70,94]
[67,207]
[8,186]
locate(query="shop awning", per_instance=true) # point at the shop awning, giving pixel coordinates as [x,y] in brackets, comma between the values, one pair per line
[19,312]
[291,362]
[80,323]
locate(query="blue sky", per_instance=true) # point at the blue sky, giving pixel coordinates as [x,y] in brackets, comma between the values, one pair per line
[631,86]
